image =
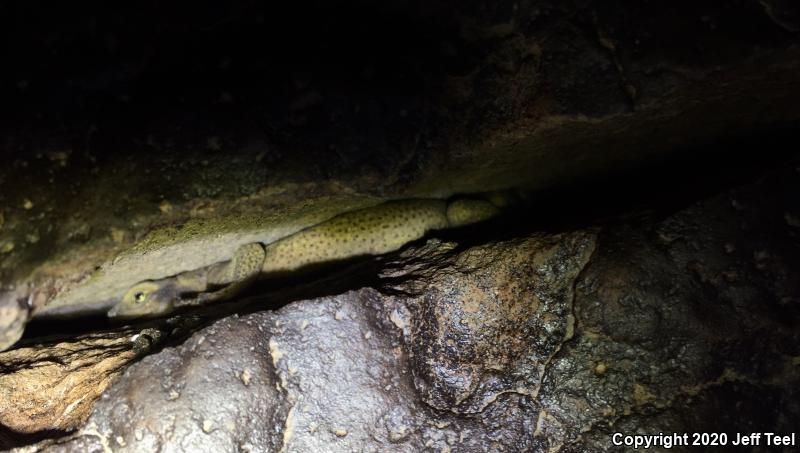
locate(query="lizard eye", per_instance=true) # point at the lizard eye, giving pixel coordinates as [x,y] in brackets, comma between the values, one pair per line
[139,297]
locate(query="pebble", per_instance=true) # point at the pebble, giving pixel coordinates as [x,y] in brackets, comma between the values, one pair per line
[600,369]
[165,207]
[246,376]
[6,247]
[117,235]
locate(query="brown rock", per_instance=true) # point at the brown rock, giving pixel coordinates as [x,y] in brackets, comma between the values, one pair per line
[492,322]
[53,387]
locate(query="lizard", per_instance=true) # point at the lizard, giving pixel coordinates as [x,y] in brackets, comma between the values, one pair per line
[370,231]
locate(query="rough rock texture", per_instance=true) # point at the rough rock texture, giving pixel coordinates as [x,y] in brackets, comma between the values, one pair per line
[687,326]
[53,387]
[490,325]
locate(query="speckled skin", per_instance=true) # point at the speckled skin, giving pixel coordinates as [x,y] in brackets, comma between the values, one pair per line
[245,264]
[372,231]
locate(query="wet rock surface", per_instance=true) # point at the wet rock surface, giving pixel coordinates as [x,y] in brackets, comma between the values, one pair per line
[491,325]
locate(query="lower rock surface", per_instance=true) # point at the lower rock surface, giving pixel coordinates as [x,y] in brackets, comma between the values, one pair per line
[543,342]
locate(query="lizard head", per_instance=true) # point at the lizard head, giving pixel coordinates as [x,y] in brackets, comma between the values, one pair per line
[145,299]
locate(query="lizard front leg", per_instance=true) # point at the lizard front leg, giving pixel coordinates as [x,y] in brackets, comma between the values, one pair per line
[233,276]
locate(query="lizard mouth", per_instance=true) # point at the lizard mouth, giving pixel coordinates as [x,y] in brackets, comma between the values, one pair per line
[114,312]
[121,313]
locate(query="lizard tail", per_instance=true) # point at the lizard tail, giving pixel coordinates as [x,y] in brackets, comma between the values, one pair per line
[466,211]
